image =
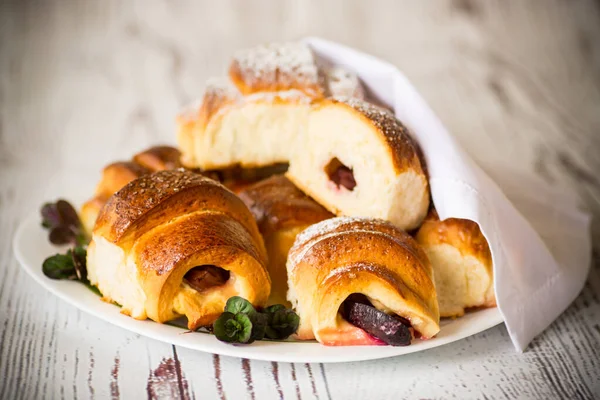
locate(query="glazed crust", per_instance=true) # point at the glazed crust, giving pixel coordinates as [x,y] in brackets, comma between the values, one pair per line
[153,199]
[466,237]
[277,204]
[462,234]
[401,146]
[119,174]
[167,223]
[171,243]
[333,259]
[159,158]
[165,256]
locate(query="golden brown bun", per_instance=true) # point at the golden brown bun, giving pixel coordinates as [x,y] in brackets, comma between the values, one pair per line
[281,211]
[152,199]
[156,229]
[338,257]
[90,210]
[114,177]
[255,118]
[119,174]
[384,176]
[159,158]
[462,263]
[277,204]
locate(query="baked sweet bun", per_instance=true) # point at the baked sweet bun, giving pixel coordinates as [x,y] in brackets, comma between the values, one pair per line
[176,243]
[119,174]
[357,159]
[257,116]
[159,158]
[341,257]
[281,211]
[462,263]
[114,177]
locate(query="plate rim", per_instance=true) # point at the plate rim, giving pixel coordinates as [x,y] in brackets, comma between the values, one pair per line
[251,352]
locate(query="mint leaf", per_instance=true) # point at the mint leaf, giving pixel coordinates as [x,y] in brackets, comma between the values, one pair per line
[281,323]
[275,307]
[233,328]
[59,266]
[259,325]
[242,323]
[237,304]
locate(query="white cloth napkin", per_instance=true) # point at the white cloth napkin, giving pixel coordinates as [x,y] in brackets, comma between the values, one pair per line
[537,273]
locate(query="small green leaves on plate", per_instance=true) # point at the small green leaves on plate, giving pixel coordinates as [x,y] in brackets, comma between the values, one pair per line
[237,304]
[281,322]
[233,328]
[64,226]
[259,325]
[70,266]
[274,322]
[59,266]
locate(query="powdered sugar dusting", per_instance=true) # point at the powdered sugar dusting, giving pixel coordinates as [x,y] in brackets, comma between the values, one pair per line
[190,111]
[395,133]
[337,226]
[143,194]
[323,228]
[217,91]
[286,95]
[373,112]
[279,64]
[222,87]
[341,82]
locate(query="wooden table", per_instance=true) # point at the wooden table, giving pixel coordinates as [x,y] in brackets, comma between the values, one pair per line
[83,83]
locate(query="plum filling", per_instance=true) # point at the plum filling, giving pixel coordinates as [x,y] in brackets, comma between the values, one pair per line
[340,174]
[391,329]
[205,277]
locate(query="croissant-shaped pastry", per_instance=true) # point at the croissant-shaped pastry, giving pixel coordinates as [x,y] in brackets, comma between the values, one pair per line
[339,258]
[281,211]
[119,174]
[257,115]
[176,243]
[462,263]
[357,159]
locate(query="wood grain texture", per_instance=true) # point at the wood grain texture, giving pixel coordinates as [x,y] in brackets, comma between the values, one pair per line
[83,83]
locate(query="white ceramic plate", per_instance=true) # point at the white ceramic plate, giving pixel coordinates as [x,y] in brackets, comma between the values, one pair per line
[31,247]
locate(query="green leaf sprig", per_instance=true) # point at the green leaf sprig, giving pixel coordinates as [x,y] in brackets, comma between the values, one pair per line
[64,226]
[242,323]
[281,323]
